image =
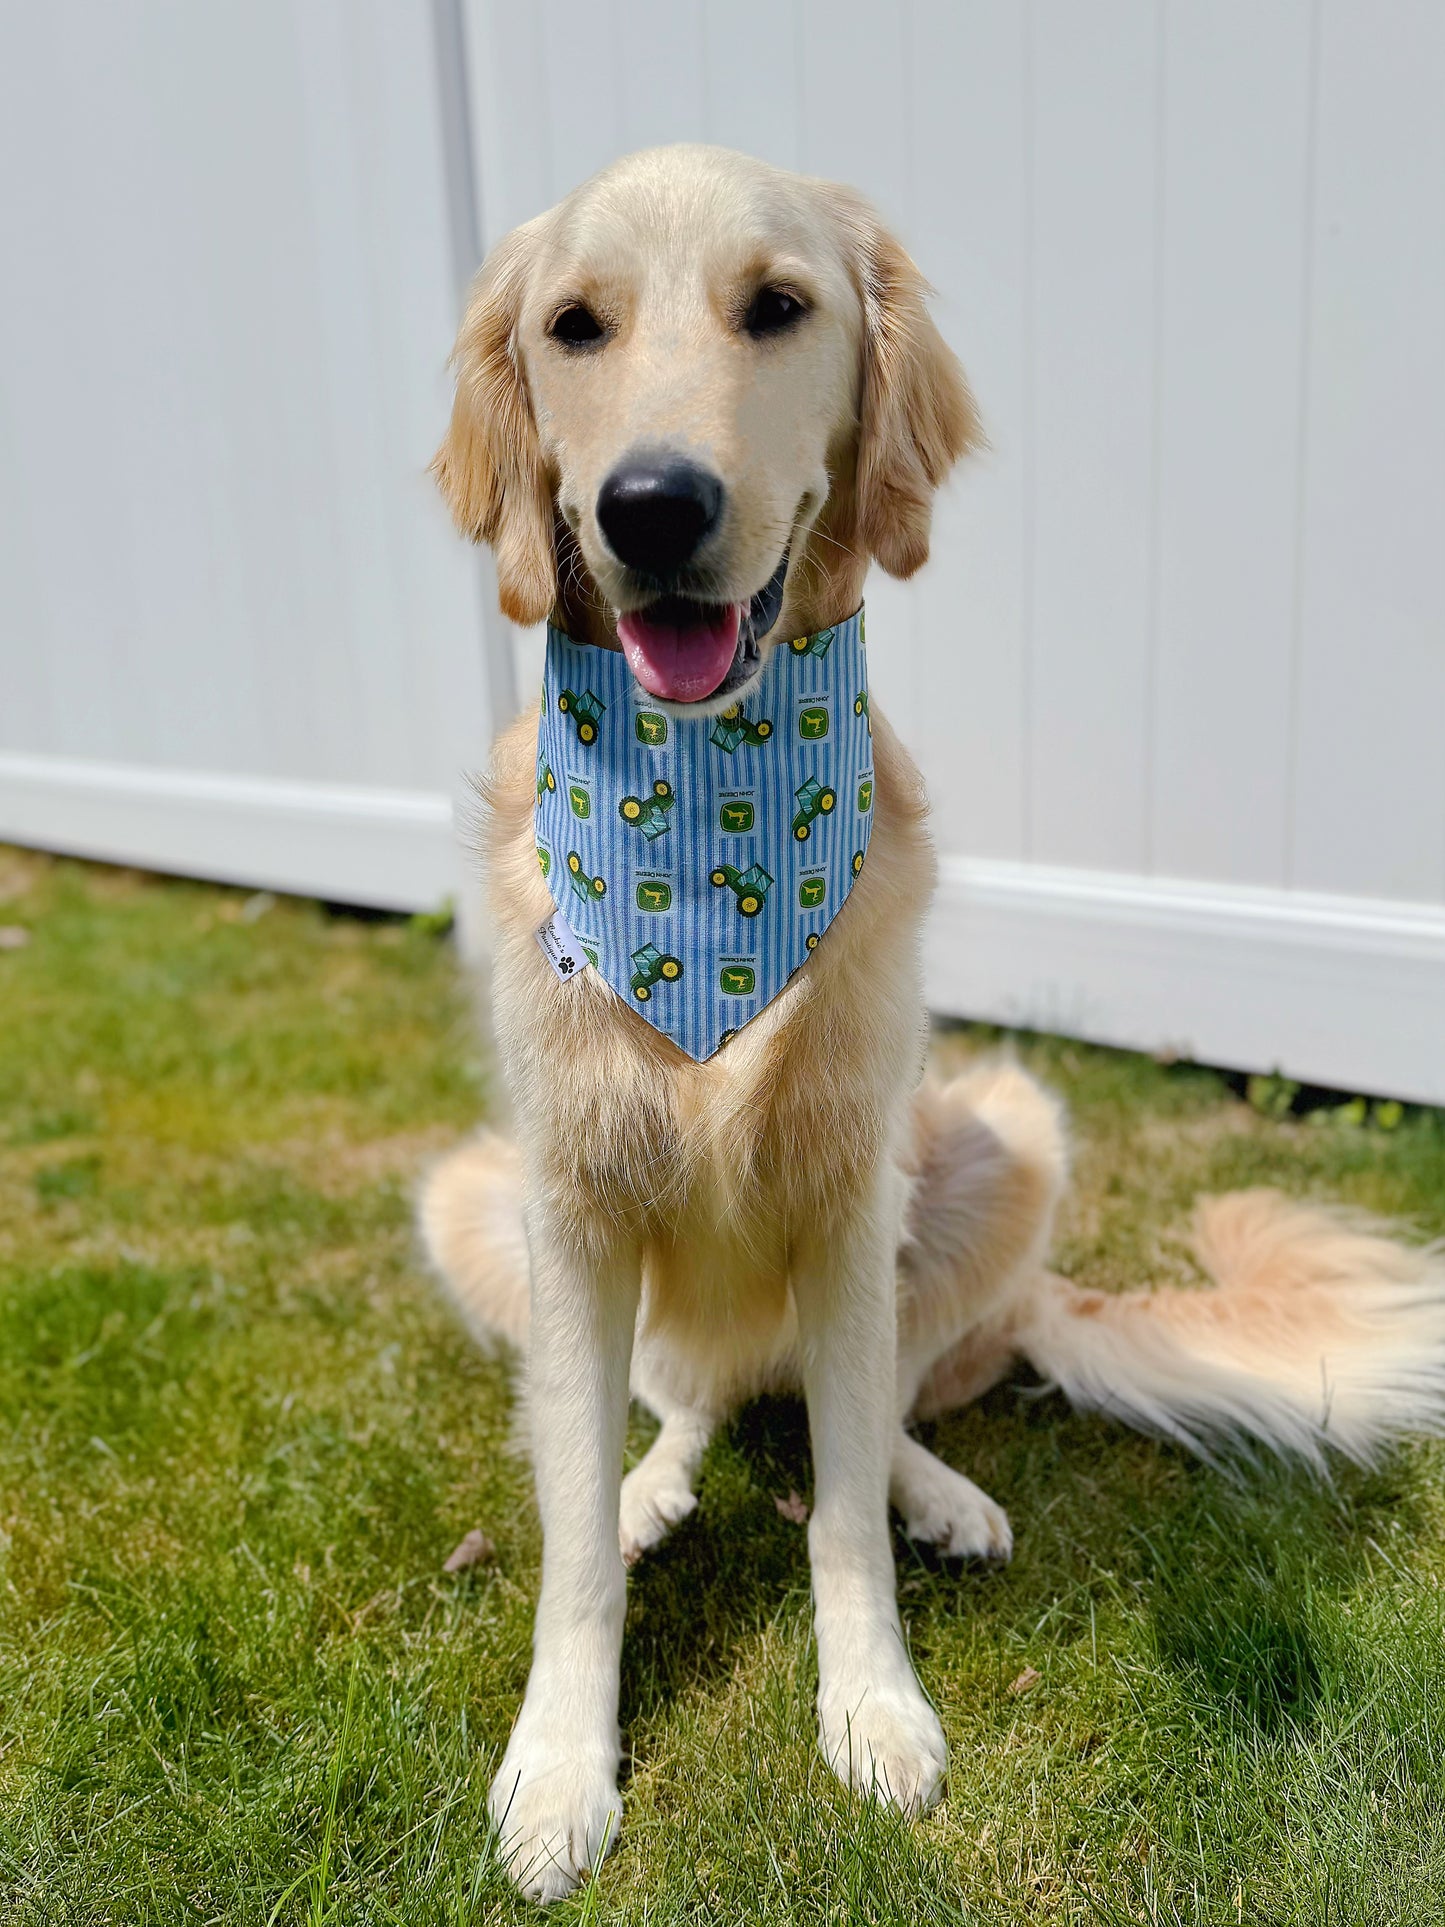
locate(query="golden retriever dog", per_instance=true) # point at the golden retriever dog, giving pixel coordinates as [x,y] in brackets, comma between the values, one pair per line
[800,1210]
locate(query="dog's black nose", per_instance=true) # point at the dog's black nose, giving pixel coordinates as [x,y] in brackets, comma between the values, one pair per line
[656,514]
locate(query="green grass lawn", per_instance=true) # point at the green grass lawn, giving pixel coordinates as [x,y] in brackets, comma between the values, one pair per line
[239,1434]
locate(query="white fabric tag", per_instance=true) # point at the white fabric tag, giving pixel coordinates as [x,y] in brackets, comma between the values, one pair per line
[561,948]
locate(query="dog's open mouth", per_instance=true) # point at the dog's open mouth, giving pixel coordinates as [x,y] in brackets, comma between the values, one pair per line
[684,651]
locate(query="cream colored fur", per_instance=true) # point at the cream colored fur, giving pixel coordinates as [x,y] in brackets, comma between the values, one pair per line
[798,1211]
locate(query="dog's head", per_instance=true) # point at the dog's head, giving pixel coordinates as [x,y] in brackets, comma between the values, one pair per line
[690,399]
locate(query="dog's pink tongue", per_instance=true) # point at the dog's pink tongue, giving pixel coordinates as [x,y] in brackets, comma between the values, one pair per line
[680,664]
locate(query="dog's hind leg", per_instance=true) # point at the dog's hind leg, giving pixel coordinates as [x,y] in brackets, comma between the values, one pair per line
[657,1493]
[989,1162]
[941,1508]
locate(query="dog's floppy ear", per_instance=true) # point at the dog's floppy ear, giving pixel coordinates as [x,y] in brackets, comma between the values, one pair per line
[916,412]
[489,466]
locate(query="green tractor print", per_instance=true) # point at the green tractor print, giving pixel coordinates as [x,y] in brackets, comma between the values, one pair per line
[588,888]
[857,862]
[546,781]
[733,727]
[818,645]
[586,713]
[750,886]
[652,966]
[860,708]
[649,813]
[813,801]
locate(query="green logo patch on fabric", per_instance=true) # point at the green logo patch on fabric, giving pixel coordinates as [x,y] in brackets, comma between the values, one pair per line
[865,794]
[735,818]
[812,891]
[651,727]
[813,723]
[544,860]
[737,980]
[654,895]
[580,798]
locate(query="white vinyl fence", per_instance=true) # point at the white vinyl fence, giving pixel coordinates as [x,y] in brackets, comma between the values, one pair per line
[237,636]
[1176,673]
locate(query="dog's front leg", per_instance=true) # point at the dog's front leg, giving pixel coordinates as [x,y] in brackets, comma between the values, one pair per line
[877,1730]
[555,1798]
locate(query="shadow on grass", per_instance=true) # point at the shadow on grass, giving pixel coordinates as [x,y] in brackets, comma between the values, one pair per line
[1241,1573]
[1246,1581]
[728,1570]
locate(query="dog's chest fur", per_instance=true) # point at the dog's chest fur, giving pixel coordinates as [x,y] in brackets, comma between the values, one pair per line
[746,1152]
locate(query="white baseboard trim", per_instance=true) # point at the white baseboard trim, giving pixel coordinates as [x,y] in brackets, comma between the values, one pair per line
[1344,991]
[390,849]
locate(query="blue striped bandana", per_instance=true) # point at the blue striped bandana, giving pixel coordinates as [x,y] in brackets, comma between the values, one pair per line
[696,861]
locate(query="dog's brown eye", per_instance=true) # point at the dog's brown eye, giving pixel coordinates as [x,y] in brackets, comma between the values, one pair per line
[576,326]
[772,310]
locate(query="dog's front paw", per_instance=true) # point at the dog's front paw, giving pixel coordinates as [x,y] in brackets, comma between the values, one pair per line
[655,1498]
[886,1742]
[942,1508]
[556,1814]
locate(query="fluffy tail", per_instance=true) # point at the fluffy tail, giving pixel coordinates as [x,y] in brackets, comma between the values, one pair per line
[1321,1331]
[470,1213]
